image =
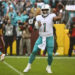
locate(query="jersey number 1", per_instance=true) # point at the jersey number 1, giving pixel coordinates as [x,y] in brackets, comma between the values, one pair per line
[44,27]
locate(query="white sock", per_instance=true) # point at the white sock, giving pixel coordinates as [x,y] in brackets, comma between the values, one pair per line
[48,65]
[29,65]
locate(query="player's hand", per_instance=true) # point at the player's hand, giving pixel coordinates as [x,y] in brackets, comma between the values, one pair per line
[39,23]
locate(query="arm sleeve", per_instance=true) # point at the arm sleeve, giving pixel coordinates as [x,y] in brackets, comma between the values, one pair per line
[53,15]
[37,18]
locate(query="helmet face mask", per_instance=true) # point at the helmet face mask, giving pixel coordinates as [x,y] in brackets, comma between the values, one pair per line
[45,10]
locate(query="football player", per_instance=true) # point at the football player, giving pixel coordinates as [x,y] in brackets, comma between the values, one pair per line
[45,26]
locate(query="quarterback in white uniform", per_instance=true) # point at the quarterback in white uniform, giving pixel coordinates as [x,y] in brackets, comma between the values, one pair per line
[44,23]
[46,28]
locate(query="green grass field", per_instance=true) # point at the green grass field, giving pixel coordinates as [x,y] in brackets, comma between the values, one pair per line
[15,65]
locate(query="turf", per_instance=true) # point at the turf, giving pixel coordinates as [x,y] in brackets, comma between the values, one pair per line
[59,66]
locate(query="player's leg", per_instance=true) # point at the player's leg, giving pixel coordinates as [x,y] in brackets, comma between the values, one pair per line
[2,48]
[35,50]
[50,47]
[33,54]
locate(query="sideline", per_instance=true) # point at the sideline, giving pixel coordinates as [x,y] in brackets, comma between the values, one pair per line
[38,57]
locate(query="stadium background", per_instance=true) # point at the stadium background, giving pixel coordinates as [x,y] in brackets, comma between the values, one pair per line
[62,40]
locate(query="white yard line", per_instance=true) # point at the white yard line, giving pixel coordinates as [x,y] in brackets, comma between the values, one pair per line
[20,73]
[40,57]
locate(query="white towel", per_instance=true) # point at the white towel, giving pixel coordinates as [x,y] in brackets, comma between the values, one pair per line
[43,45]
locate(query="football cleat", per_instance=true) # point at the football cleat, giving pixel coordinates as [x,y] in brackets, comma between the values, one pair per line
[27,68]
[48,69]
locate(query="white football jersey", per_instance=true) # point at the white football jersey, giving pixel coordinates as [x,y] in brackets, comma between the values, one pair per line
[46,28]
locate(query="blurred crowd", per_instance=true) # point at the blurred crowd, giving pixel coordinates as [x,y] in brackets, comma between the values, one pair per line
[17,19]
